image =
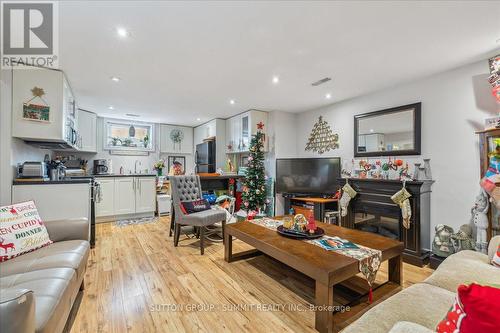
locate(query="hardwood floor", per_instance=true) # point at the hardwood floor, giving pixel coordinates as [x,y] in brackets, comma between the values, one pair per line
[137,281]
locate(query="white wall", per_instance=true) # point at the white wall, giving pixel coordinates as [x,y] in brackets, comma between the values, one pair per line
[282,133]
[454,105]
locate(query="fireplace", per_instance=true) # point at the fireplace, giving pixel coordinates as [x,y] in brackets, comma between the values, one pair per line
[373,210]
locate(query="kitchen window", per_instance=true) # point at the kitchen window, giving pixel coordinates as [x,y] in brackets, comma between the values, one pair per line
[122,135]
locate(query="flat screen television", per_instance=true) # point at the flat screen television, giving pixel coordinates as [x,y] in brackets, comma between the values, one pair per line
[307,175]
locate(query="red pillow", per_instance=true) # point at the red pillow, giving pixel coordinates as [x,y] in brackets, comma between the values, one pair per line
[476,309]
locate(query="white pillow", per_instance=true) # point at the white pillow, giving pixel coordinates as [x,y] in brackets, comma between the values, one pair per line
[21,230]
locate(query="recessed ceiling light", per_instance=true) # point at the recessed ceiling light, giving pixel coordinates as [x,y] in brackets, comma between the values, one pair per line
[115,79]
[198,119]
[328,96]
[276,79]
[111,107]
[122,32]
[232,101]
[371,130]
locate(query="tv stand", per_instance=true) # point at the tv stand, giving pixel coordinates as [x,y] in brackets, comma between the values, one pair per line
[306,205]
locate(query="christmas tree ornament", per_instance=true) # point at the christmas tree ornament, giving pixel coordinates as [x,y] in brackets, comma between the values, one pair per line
[401,198]
[322,139]
[347,194]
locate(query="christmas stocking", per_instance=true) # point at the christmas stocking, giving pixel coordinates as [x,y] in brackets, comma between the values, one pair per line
[401,198]
[347,194]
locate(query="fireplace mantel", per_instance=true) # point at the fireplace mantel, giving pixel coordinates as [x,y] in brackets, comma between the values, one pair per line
[374,198]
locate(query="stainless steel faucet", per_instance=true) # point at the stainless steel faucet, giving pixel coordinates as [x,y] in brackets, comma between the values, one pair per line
[135,165]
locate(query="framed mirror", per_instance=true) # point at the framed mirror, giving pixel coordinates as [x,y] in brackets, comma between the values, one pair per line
[389,132]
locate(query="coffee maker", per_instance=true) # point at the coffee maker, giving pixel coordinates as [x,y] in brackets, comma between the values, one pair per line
[100,167]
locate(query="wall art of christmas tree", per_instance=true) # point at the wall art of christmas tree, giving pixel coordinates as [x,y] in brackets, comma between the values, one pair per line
[322,138]
[254,185]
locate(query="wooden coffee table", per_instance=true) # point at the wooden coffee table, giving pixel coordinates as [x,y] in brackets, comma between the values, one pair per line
[327,268]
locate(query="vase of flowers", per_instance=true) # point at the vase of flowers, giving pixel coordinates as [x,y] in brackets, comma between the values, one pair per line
[158,166]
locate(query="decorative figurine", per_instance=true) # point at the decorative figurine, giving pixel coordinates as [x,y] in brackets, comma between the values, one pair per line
[311,224]
[463,238]
[480,220]
[300,223]
[442,245]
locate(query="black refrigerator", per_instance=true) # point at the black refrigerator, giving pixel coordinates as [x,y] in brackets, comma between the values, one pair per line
[205,157]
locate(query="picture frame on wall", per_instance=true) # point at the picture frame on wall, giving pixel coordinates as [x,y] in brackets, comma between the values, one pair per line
[179,159]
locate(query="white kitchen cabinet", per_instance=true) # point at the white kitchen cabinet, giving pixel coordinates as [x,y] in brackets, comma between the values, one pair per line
[205,131]
[240,128]
[87,128]
[176,139]
[233,134]
[56,201]
[145,194]
[125,192]
[105,205]
[126,196]
[51,81]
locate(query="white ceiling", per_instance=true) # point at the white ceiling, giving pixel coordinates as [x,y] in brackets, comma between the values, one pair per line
[186,60]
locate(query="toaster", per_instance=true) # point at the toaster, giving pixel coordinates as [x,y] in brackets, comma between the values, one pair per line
[33,170]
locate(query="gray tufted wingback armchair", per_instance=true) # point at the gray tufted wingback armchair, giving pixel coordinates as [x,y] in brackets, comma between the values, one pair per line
[188,188]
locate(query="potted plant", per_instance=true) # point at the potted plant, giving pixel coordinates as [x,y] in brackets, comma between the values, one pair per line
[115,140]
[146,141]
[158,166]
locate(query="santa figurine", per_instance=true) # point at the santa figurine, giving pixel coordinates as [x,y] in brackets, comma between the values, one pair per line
[311,224]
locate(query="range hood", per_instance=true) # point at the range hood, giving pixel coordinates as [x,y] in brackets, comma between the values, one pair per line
[51,145]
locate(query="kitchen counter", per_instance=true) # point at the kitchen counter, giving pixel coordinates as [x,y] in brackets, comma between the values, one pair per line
[52,182]
[126,175]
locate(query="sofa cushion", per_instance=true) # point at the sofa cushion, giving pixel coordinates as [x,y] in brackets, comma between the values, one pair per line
[70,254]
[422,303]
[464,267]
[21,230]
[204,218]
[409,327]
[54,291]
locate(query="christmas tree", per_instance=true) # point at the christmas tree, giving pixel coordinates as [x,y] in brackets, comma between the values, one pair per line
[254,187]
[322,138]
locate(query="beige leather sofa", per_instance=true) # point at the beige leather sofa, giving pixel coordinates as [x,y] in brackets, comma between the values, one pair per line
[38,289]
[419,308]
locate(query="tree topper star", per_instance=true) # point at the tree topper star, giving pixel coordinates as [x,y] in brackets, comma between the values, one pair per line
[260,125]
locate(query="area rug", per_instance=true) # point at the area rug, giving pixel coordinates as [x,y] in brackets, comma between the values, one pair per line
[143,220]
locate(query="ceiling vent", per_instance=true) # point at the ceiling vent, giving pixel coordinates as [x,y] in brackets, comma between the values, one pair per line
[132,115]
[324,80]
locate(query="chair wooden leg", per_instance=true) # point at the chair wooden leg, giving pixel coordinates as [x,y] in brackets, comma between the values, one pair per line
[171,226]
[223,231]
[177,233]
[82,286]
[202,240]
[198,232]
